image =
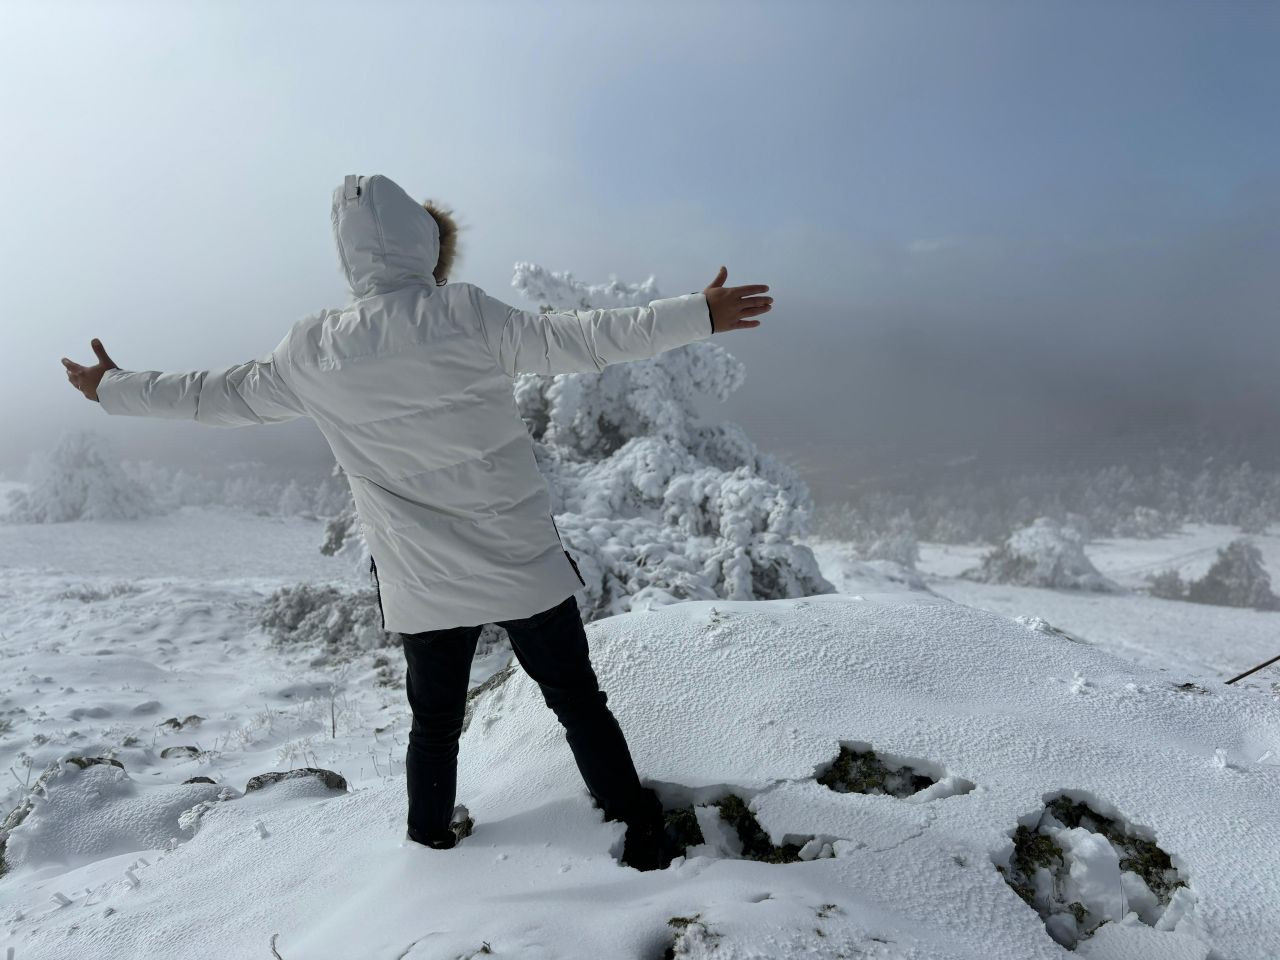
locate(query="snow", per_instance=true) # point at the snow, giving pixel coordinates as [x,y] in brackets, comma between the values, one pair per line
[108,629]
[1128,561]
[842,565]
[1095,873]
[98,812]
[1189,641]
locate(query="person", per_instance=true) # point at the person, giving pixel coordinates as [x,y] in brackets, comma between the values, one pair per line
[411,385]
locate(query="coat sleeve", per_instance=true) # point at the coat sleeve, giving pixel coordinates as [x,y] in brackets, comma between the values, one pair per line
[585,341]
[247,393]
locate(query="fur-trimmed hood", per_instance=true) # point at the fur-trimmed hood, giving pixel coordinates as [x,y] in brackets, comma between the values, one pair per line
[386,239]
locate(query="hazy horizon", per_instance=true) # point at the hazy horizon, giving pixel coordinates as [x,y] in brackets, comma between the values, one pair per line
[987,227]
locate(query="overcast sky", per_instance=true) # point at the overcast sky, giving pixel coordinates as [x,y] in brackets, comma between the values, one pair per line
[982,222]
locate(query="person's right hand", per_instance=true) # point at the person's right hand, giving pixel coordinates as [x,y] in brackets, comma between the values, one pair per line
[731,306]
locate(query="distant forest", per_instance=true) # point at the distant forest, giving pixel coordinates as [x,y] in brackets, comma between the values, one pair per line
[971,504]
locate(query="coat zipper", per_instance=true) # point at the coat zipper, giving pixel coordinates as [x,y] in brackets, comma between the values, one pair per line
[373,568]
[572,562]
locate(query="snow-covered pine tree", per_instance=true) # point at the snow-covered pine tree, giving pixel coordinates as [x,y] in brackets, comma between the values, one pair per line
[331,494]
[342,535]
[1167,585]
[898,543]
[79,480]
[1236,579]
[655,506]
[1043,554]
[292,501]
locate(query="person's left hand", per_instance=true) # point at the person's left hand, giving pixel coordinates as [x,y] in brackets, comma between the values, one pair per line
[86,379]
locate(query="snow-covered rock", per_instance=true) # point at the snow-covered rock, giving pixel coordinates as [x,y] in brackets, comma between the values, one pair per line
[1044,554]
[86,810]
[754,699]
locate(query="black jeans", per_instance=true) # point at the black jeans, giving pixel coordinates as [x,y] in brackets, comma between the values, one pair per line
[551,646]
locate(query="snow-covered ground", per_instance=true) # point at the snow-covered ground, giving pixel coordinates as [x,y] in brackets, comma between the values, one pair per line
[1194,641]
[107,630]
[1191,641]
[1127,561]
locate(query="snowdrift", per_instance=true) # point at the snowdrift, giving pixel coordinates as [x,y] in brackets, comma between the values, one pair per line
[765,700]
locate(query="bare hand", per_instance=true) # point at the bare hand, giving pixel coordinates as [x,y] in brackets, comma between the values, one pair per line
[86,379]
[731,306]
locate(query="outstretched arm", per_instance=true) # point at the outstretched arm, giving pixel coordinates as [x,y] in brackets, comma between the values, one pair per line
[584,341]
[247,393]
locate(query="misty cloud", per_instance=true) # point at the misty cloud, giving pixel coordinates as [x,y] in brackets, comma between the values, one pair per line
[986,227]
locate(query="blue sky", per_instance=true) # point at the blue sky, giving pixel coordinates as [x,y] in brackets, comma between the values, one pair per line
[980,220]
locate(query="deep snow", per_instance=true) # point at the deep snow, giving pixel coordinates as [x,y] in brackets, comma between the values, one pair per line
[102,620]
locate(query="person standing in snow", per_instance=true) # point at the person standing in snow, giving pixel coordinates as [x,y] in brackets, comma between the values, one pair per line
[411,385]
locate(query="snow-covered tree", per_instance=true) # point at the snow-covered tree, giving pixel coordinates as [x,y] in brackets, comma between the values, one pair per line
[1236,579]
[655,506]
[331,495]
[1145,523]
[898,543]
[192,489]
[1168,585]
[292,501]
[170,488]
[252,493]
[1044,554]
[1254,518]
[79,480]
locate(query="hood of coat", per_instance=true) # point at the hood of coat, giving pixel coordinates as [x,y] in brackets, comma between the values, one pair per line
[385,239]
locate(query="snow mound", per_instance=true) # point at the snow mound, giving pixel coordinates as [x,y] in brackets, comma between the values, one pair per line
[842,564]
[759,700]
[78,815]
[1045,554]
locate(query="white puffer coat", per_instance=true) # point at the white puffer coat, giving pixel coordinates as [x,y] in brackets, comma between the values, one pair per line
[411,385]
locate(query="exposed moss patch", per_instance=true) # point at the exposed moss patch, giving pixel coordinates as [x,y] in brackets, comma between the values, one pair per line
[682,828]
[1141,856]
[1031,851]
[755,842]
[861,771]
[682,831]
[1035,849]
